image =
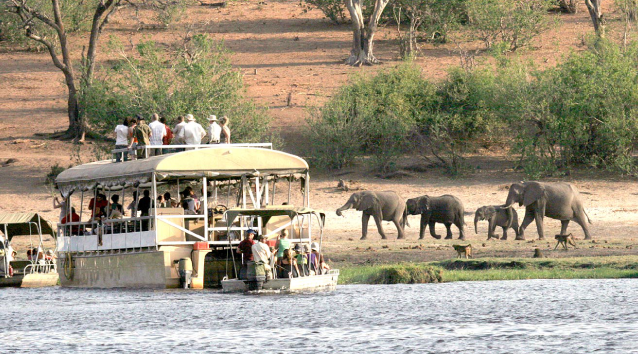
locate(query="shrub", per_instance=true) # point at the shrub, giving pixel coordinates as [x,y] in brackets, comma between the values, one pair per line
[408,274]
[509,24]
[371,116]
[198,79]
[54,172]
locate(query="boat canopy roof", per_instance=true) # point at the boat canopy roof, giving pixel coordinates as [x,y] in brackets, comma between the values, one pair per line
[216,163]
[22,224]
[270,211]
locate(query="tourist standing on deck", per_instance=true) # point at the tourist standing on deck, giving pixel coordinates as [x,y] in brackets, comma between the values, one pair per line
[224,136]
[143,134]
[214,130]
[121,140]
[262,254]
[132,124]
[193,132]
[158,130]
[133,205]
[245,247]
[144,206]
[168,137]
[283,243]
[178,132]
[62,205]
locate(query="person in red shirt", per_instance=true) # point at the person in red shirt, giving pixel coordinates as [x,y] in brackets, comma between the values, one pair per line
[245,246]
[100,206]
[166,140]
[75,229]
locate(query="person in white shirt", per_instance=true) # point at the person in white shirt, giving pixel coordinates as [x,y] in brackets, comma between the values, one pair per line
[179,127]
[159,132]
[262,254]
[121,140]
[214,130]
[193,132]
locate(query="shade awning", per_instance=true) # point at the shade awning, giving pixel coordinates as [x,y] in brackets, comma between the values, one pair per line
[24,224]
[217,162]
[269,212]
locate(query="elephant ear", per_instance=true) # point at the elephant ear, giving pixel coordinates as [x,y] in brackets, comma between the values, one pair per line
[532,193]
[423,205]
[489,212]
[368,201]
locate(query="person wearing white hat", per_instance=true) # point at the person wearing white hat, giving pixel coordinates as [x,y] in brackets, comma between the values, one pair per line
[214,130]
[193,132]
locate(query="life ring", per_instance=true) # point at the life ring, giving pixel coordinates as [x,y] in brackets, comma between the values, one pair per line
[68,266]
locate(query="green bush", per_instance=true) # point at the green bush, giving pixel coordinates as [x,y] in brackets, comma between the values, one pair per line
[509,24]
[198,79]
[370,116]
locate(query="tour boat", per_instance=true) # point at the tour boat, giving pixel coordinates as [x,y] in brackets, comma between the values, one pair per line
[40,268]
[171,245]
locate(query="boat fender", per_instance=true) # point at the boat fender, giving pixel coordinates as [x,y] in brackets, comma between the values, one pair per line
[185,272]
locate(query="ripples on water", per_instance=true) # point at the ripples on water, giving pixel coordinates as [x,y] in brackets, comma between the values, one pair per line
[535,316]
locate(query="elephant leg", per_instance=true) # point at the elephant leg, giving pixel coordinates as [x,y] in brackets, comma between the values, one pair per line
[529,217]
[504,233]
[397,222]
[563,227]
[461,228]
[364,225]
[422,228]
[448,227]
[581,220]
[490,229]
[539,226]
[432,232]
[377,219]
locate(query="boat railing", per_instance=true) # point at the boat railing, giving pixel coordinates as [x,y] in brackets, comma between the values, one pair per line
[42,266]
[152,150]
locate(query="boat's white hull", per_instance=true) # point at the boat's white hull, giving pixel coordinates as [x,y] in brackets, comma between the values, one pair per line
[324,282]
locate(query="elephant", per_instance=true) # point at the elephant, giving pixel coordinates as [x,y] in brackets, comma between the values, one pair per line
[446,209]
[386,205]
[559,201]
[496,215]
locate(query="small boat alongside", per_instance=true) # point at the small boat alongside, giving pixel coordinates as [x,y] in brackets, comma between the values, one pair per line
[40,268]
[271,218]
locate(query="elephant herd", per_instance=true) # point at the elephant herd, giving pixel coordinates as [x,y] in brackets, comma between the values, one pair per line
[559,201]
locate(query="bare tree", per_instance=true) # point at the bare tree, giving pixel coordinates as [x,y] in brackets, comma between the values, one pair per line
[46,26]
[596,14]
[363,35]
[36,21]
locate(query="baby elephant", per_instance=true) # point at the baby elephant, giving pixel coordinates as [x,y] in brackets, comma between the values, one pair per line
[446,209]
[497,216]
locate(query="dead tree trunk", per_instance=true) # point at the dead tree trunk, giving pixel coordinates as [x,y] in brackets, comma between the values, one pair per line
[362,35]
[596,14]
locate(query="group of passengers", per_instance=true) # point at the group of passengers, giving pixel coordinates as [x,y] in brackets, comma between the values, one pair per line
[134,134]
[101,209]
[289,262]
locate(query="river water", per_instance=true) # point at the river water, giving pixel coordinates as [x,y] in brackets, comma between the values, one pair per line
[531,316]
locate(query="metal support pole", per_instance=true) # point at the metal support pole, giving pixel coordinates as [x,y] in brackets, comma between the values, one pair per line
[205,195]
[307,190]
[154,205]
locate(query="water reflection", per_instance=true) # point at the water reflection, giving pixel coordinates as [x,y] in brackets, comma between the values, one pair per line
[540,316]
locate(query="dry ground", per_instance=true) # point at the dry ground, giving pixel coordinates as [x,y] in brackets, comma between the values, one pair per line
[281,48]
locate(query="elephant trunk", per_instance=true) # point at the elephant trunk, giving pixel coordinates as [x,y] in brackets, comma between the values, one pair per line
[476,220]
[346,206]
[510,200]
